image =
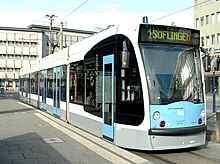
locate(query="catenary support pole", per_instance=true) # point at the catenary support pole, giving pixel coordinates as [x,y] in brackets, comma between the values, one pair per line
[214,92]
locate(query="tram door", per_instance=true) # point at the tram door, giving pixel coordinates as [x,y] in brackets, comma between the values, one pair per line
[108,98]
[44,89]
[56,91]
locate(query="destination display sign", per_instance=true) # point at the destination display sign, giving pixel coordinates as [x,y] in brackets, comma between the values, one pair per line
[168,34]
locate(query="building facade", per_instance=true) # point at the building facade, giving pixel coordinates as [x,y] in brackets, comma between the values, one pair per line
[69,37]
[207,20]
[18,47]
[22,46]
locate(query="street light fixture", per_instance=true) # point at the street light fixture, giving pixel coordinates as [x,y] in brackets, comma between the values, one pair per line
[51,19]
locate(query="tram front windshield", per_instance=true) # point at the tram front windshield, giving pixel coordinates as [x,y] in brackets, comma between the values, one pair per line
[173,73]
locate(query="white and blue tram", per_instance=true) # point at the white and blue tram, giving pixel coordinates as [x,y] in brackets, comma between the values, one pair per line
[139,87]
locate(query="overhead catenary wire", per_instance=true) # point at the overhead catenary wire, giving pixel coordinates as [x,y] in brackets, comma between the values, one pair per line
[149,21]
[179,11]
[74,10]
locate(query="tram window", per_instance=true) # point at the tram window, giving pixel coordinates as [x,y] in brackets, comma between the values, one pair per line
[130,83]
[93,82]
[10,83]
[21,83]
[90,88]
[130,107]
[63,83]
[26,83]
[34,83]
[2,82]
[50,83]
[16,83]
[76,82]
[41,77]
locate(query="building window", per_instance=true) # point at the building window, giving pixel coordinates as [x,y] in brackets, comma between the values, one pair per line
[9,83]
[197,22]
[207,41]
[74,39]
[2,56]
[26,44]
[218,38]
[202,41]
[2,43]
[68,40]
[207,19]
[202,21]
[80,38]
[10,56]
[213,39]
[33,44]
[17,83]
[10,43]
[218,16]
[33,57]
[17,56]
[213,18]
[18,44]
[25,57]
[196,2]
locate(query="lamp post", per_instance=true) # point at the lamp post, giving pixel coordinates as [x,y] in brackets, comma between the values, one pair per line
[51,19]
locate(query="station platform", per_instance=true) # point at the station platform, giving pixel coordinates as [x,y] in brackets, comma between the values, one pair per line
[28,135]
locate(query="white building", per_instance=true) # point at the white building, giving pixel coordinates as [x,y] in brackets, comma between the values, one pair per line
[22,46]
[207,19]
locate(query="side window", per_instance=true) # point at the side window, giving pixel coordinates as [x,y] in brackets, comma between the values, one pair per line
[40,76]
[93,74]
[76,82]
[21,83]
[90,88]
[130,81]
[34,83]
[63,83]
[26,83]
[89,81]
[50,83]
[130,108]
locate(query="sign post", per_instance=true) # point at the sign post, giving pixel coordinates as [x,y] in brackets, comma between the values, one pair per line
[214,92]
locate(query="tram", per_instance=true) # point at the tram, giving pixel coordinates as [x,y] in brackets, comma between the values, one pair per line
[137,86]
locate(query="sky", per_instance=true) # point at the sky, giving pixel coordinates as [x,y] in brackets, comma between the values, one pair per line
[95,13]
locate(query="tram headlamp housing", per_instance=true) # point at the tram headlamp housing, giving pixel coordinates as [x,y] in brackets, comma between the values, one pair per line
[156,115]
[202,113]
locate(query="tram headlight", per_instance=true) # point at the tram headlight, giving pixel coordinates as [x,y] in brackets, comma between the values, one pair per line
[156,115]
[202,113]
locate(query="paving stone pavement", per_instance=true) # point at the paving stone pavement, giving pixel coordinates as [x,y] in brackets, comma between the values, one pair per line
[26,138]
[23,135]
[28,135]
